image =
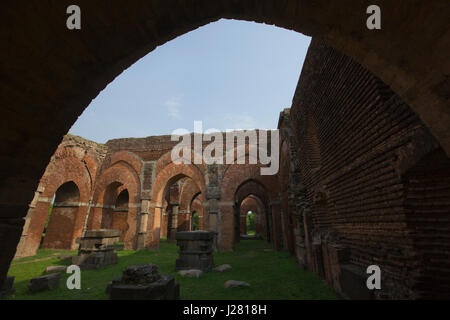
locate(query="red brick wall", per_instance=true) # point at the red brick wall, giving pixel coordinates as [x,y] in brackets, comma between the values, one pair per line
[255,205]
[356,140]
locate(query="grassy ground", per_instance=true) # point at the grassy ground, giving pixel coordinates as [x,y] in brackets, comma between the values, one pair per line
[271,274]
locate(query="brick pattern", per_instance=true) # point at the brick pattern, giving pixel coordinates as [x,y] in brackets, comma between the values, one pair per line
[112,44]
[357,144]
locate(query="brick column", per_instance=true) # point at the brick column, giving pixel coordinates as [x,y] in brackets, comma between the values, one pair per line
[142,225]
[23,250]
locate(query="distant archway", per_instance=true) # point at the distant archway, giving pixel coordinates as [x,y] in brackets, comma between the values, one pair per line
[195,221]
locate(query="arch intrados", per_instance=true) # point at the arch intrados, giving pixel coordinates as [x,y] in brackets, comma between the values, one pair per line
[172,173]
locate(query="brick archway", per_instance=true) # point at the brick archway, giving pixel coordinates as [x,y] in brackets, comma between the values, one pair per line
[164,179]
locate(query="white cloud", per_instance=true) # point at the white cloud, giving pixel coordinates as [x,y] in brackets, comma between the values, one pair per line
[173,108]
[241,121]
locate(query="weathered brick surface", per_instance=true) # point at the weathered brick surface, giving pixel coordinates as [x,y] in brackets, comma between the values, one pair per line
[376,181]
[409,54]
[361,182]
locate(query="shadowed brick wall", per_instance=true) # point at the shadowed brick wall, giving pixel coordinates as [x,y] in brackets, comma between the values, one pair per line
[376,179]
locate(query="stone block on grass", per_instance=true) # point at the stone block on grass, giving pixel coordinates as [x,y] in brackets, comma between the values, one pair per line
[43,283]
[97,249]
[193,273]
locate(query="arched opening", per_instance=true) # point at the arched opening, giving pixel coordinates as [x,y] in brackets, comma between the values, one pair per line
[165,206]
[115,209]
[427,209]
[47,221]
[61,218]
[195,221]
[421,79]
[197,212]
[120,214]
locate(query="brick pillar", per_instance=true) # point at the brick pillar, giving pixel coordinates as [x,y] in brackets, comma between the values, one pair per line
[184,220]
[173,223]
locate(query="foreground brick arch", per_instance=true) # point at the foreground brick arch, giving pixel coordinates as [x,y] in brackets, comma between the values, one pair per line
[70,163]
[354,202]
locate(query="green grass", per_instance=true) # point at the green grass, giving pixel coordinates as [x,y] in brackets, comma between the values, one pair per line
[271,274]
[43,254]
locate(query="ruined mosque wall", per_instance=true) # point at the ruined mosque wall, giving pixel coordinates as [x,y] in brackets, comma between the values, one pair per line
[363,156]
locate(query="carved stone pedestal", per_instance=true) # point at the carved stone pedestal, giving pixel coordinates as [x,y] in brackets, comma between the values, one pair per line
[97,249]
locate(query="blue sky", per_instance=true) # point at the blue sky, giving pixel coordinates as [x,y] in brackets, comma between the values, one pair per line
[229,74]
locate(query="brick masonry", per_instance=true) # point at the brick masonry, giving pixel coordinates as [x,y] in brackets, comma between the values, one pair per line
[362,181]
[409,54]
[367,177]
